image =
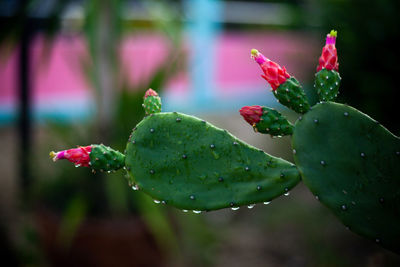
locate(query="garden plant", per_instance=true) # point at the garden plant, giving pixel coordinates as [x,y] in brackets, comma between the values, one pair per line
[349,161]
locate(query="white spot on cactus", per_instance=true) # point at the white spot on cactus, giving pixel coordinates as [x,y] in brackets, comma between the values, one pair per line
[157,201]
[251,206]
[197,211]
[343,207]
[267,202]
[185,210]
[234,208]
[192,197]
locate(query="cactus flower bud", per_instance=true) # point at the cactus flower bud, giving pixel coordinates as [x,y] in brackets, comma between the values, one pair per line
[266,120]
[98,157]
[150,92]
[251,114]
[151,102]
[329,59]
[274,74]
[79,156]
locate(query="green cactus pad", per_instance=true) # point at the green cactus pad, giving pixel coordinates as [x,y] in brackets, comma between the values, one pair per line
[192,165]
[327,84]
[352,165]
[104,158]
[291,94]
[274,123]
[152,104]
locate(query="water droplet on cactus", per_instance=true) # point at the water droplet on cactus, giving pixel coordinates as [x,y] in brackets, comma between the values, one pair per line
[197,211]
[251,206]
[234,208]
[267,202]
[157,201]
[344,207]
[192,197]
[185,210]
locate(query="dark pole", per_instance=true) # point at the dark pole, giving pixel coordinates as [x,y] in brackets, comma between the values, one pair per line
[24,123]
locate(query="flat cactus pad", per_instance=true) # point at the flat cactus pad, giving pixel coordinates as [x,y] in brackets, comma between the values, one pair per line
[352,165]
[193,165]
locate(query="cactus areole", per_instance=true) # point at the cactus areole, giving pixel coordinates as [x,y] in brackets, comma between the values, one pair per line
[348,160]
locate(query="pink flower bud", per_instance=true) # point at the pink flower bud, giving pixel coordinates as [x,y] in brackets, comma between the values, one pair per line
[79,156]
[251,114]
[274,74]
[329,58]
[150,92]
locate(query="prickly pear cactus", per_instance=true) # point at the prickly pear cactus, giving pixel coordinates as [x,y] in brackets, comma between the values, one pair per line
[193,165]
[351,164]
[188,163]
[348,160]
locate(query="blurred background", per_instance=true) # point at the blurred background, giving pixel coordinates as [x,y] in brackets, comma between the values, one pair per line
[73,72]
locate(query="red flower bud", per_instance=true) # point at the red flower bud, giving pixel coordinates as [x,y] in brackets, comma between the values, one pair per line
[79,156]
[150,92]
[274,74]
[251,114]
[329,59]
